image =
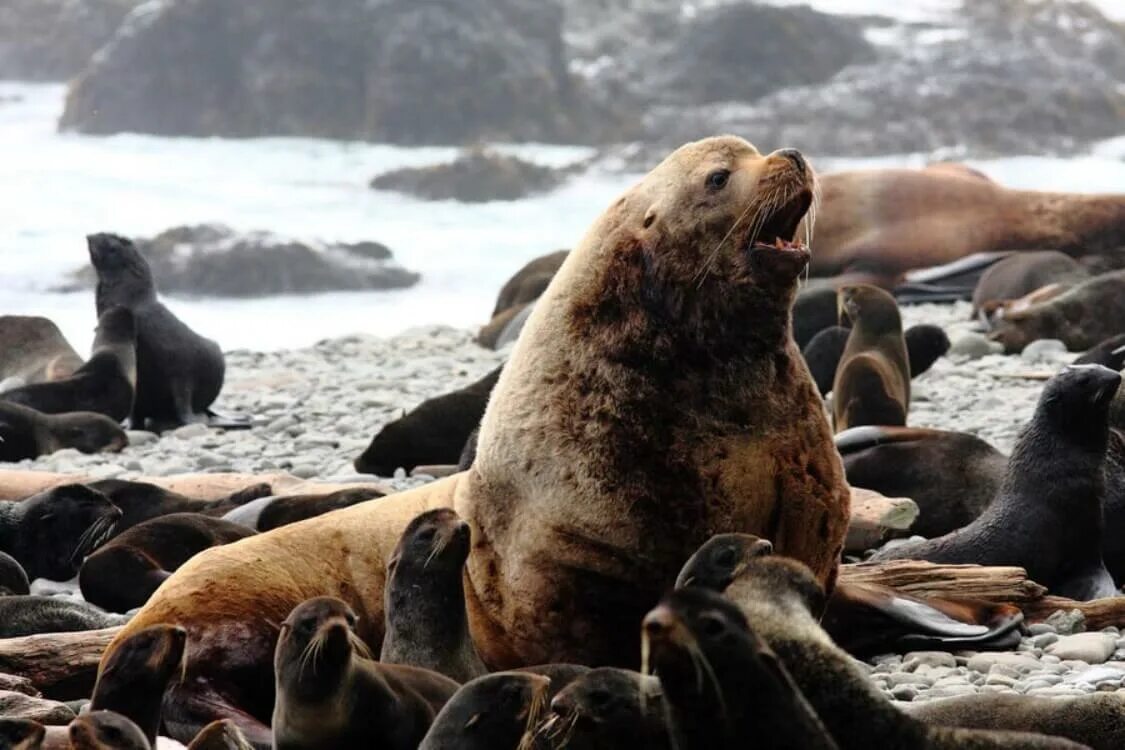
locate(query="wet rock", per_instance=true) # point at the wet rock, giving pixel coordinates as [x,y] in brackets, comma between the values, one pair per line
[52,40]
[1091,648]
[476,176]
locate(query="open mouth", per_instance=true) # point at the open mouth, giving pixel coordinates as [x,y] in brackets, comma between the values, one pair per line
[779,229]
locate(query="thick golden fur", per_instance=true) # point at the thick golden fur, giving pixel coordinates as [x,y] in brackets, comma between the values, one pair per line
[889,221]
[655,398]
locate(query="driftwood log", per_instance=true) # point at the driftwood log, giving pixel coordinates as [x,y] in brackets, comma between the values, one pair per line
[62,666]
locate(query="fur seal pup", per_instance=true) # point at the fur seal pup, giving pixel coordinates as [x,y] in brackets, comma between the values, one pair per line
[122,574]
[1081,318]
[49,534]
[952,476]
[607,709]
[493,712]
[1097,721]
[889,221]
[106,730]
[330,696]
[21,734]
[273,512]
[640,413]
[782,602]
[1021,274]
[27,433]
[103,385]
[142,501]
[924,345]
[179,373]
[220,735]
[13,578]
[32,615]
[33,350]
[872,384]
[134,679]
[425,599]
[1047,517]
[724,687]
[433,433]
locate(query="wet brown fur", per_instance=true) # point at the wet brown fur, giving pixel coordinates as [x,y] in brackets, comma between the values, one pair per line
[872,385]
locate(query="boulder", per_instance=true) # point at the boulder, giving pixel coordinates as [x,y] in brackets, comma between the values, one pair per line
[399,71]
[52,40]
[214,260]
[476,176]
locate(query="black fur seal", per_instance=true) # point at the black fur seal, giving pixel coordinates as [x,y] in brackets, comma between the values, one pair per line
[27,433]
[21,734]
[33,350]
[424,600]
[1109,353]
[433,433]
[329,695]
[872,384]
[493,712]
[179,373]
[32,615]
[50,534]
[607,709]
[142,501]
[744,697]
[134,678]
[267,513]
[106,730]
[122,574]
[103,385]
[1048,515]
[13,578]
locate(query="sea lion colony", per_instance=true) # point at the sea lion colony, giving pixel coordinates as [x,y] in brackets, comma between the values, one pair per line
[655,427]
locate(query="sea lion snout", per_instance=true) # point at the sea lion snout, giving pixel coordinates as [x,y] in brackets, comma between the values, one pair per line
[796,158]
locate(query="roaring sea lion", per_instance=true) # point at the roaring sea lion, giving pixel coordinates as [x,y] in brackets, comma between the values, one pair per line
[493,712]
[33,350]
[142,501]
[1082,317]
[272,512]
[1097,721]
[889,221]
[106,730]
[179,373]
[924,345]
[433,433]
[655,398]
[607,709]
[21,734]
[26,433]
[122,574]
[103,385]
[872,384]
[49,534]
[747,699]
[32,615]
[1048,515]
[330,696]
[133,681]
[1021,274]
[424,603]
[13,578]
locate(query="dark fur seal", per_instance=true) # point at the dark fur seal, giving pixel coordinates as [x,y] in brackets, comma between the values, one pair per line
[103,385]
[220,735]
[33,350]
[267,513]
[49,534]
[1022,273]
[952,476]
[13,578]
[330,696]
[528,283]
[1047,517]
[32,615]
[122,574]
[724,687]
[21,734]
[1082,317]
[607,709]
[142,501]
[1097,721]
[433,433]
[493,712]
[424,599]
[179,373]
[106,730]
[782,602]
[924,345]
[135,677]
[1109,353]
[872,384]
[27,433]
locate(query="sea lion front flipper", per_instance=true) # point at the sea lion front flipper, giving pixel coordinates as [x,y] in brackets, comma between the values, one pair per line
[190,709]
[864,619]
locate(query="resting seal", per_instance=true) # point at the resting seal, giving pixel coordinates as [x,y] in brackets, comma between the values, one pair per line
[490,713]
[103,385]
[1081,318]
[607,709]
[872,385]
[13,578]
[179,373]
[275,511]
[655,399]
[141,501]
[1048,515]
[33,350]
[106,730]
[1021,274]
[27,433]
[32,615]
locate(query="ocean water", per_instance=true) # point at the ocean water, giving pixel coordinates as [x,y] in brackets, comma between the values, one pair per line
[56,188]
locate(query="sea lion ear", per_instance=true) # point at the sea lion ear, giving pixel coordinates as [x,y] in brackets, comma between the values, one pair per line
[650,216]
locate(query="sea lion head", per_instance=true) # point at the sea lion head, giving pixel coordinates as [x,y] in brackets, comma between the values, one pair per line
[1076,401]
[315,646]
[787,584]
[124,275]
[495,710]
[870,308]
[106,730]
[86,432]
[21,734]
[435,541]
[706,244]
[60,527]
[720,560]
[603,708]
[143,664]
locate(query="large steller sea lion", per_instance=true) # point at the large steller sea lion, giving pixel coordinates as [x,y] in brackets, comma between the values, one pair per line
[655,398]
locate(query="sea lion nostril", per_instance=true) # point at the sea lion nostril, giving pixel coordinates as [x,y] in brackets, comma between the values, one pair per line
[796,158]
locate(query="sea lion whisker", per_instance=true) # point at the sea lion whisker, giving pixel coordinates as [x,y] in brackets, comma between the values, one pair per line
[700,659]
[439,545]
[535,709]
[358,645]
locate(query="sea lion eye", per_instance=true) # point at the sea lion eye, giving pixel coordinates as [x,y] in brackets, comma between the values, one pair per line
[711,625]
[726,557]
[717,180]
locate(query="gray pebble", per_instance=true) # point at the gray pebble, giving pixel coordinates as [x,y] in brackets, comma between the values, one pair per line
[1044,351]
[1091,648]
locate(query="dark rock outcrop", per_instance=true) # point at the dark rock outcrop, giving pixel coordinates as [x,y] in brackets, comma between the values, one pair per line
[477,176]
[214,261]
[52,40]
[400,71]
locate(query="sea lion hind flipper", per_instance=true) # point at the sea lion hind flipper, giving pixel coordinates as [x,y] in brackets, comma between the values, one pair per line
[188,710]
